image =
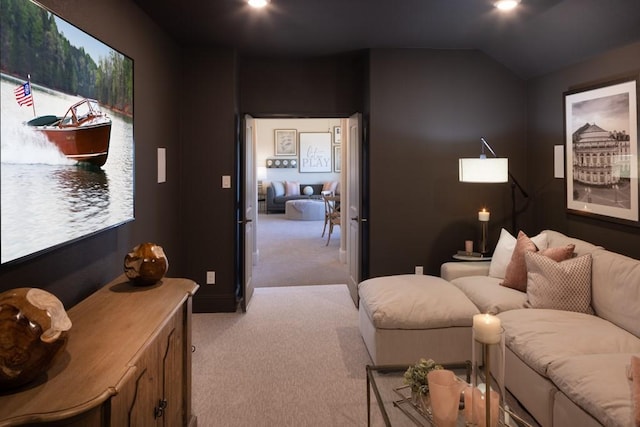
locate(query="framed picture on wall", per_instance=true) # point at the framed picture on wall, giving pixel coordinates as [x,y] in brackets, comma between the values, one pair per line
[315,152]
[285,142]
[54,192]
[601,137]
[337,158]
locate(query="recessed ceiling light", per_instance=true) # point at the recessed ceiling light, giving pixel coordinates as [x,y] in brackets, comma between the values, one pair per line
[506,4]
[257,3]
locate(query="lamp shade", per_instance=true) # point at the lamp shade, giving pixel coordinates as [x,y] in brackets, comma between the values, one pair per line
[484,170]
[261,174]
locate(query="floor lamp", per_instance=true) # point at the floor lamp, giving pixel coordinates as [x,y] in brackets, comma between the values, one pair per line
[491,170]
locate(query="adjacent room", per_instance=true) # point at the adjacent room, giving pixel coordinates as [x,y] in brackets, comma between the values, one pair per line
[298,238]
[311,213]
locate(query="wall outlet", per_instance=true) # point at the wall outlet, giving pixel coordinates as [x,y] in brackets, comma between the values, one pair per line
[419,269]
[211,277]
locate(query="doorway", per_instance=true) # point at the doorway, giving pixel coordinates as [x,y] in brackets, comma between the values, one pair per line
[279,156]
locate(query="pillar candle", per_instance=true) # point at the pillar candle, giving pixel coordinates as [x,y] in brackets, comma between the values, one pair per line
[483,215]
[487,328]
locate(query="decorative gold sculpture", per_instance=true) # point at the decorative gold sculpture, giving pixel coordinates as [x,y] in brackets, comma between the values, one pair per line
[33,331]
[146,264]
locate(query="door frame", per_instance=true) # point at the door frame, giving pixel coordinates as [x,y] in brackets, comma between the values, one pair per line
[241,177]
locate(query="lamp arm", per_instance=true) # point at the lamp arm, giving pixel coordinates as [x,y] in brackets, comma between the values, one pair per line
[486,144]
[517,184]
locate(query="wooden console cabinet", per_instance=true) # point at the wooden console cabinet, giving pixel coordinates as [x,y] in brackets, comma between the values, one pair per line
[127,363]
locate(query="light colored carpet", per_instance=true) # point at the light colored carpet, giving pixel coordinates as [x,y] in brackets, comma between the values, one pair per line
[295,358]
[293,253]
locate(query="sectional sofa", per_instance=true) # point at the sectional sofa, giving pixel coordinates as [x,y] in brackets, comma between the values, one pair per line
[277,197]
[570,334]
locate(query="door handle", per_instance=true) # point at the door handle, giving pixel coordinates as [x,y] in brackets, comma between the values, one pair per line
[359,219]
[245,221]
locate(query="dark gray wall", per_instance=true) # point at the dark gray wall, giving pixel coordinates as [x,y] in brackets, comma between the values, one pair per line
[427,109]
[208,142]
[546,129]
[74,271]
[327,86]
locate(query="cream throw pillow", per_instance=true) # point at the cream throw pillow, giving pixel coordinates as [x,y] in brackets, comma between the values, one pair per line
[502,254]
[291,188]
[562,285]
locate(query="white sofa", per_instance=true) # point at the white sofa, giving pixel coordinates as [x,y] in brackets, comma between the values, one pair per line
[567,368]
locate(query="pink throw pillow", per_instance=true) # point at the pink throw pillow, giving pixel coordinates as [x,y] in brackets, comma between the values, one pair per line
[291,188]
[330,186]
[516,274]
[560,253]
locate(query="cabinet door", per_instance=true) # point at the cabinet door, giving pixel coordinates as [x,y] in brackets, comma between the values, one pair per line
[153,396]
[173,363]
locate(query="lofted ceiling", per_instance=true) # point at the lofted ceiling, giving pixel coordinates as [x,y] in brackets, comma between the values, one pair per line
[538,37]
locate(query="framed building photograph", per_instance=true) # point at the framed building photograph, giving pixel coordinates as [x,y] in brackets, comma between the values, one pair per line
[601,138]
[285,142]
[315,152]
[67,159]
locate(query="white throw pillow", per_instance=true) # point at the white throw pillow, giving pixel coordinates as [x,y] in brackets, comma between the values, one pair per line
[504,249]
[278,188]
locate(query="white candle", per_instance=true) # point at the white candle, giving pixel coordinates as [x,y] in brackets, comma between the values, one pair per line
[483,215]
[487,328]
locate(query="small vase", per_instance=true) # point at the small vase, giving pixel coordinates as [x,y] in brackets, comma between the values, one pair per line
[146,264]
[425,403]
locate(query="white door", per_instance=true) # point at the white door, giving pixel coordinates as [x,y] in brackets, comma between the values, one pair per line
[250,203]
[353,202]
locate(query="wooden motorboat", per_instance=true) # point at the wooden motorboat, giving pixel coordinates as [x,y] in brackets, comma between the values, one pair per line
[82,134]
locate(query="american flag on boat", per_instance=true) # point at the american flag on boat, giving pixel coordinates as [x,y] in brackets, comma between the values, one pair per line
[23,94]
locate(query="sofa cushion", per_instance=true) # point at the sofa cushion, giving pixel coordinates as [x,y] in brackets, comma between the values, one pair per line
[488,295]
[598,384]
[541,336]
[504,248]
[414,301]
[616,289]
[278,188]
[555,239]
[559,285]
[291,188]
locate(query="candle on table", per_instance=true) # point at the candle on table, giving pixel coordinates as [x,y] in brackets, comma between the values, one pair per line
[483,215]
[487,328]
[468,246]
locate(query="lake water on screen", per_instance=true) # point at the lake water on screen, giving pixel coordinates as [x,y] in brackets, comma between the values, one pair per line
[47,199]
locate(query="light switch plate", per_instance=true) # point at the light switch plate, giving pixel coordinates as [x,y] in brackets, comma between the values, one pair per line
[226,181]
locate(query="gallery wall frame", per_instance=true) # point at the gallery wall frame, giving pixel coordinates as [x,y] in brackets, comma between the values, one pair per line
[601,151]
[52,197]
[337,158]
[315,152]
[285,141]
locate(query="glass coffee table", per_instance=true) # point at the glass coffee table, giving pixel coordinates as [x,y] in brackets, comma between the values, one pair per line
[394,398]
[396,407]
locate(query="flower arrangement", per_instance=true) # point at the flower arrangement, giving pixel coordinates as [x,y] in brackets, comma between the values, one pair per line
[416,376]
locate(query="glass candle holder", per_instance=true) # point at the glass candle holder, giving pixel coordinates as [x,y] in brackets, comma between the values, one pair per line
[488,355]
